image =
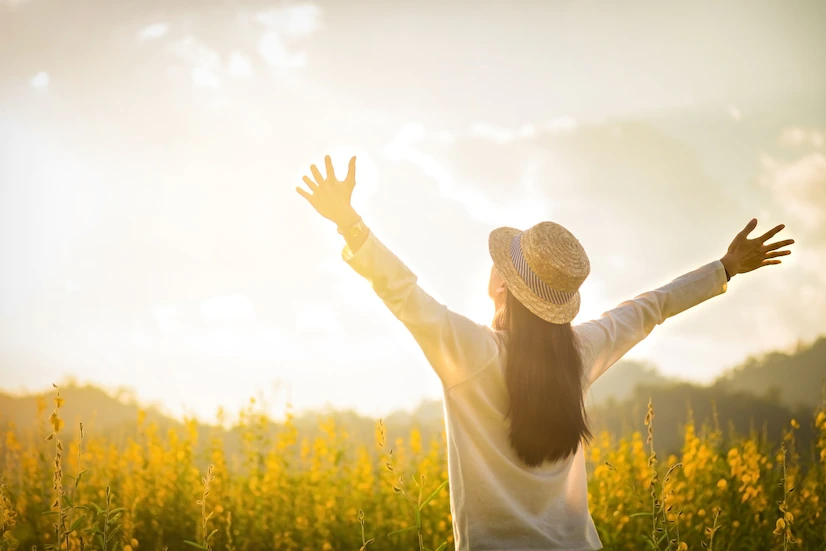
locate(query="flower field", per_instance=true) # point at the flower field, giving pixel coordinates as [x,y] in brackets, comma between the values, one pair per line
[67,488]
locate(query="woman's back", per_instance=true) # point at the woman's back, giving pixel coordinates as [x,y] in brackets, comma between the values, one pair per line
[497,502]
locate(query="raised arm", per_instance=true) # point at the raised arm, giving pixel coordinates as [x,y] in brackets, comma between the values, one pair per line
[455,346]
[616,331]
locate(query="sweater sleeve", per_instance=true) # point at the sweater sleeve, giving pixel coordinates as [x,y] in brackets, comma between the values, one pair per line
[455,346]
[616,331]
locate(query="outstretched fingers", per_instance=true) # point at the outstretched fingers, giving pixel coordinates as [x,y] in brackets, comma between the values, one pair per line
[331,175]
[310,184]
[771,233]
[317,174]
[777,253]
[778,245]
[351,170]
[304,194]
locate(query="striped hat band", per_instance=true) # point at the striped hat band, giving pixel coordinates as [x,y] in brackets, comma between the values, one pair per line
[532,280]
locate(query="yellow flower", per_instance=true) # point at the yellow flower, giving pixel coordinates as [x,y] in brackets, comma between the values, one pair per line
[821,417]
[722,484]
[795,424]
[56,422]
[781,524]
[683,546]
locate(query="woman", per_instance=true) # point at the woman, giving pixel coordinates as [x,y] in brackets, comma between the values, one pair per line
[514,393]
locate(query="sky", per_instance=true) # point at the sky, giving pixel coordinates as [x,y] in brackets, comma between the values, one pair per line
[151,237]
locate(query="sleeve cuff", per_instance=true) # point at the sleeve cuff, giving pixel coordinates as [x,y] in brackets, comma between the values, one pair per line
[358,258]
[723,279]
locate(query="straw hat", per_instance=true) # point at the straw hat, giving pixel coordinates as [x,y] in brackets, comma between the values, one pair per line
[543,267]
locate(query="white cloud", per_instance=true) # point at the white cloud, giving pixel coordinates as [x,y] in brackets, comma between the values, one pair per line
[799,187]
[153,31]
[40,80]
[195,53]
[203,61]
[504,135]
[496,134]
[530,205]
[239,66]
[284,26]
[561,124]
[205,78]
[274,52]
[300,20]
[796,136]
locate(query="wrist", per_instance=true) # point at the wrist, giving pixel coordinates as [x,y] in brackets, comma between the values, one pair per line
[728,266]
[347,220]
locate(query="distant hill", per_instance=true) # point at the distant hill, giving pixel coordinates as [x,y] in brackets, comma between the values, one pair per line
[619,382]
[795,379]
[677,403]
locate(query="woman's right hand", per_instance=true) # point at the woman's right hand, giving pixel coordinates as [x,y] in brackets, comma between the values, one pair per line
[330,196]
[745,255]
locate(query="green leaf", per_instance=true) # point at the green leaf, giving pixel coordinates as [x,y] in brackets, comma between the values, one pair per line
[640,515]
[195,545]
[47,513]
[433,495]
[118,510]
[111,534]
[442,547]
[408,529]
[209,537]
[114,519]
[77,522]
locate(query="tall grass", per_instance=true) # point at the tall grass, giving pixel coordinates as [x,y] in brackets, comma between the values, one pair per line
[288,491]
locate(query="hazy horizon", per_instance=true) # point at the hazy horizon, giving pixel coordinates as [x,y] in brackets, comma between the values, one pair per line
[151,236]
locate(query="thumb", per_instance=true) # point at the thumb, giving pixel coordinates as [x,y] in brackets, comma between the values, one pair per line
[749,227]
[351,171]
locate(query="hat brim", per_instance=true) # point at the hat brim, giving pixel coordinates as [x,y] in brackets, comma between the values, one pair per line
[499,243]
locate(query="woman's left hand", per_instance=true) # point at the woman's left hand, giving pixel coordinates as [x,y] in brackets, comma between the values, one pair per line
[331,197]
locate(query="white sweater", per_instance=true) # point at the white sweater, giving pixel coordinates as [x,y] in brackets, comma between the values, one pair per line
[498,503]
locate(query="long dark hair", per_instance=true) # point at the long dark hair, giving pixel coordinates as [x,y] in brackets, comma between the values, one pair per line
[543,373]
